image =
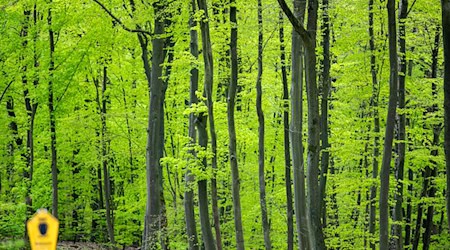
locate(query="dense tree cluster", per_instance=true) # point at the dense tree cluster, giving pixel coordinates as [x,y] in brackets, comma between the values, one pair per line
[227,124]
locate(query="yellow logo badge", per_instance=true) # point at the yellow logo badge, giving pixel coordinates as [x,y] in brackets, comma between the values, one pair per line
[43,231]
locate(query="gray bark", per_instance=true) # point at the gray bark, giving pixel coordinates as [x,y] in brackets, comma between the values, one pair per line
[326,84]
[397,240]
[208,238]
[232,130]
[446,37]
[390,122]
[261,132]
[376,128]
[155,136]
[52,116]
[191,229]
[287,155]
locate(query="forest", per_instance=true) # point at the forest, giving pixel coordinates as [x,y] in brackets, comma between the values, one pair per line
[222,124]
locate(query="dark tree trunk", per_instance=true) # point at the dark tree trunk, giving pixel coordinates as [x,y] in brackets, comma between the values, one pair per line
[155,135]
[30,107]
[105,157]
[232,130]
[397,239]
[390,122]
[376,130]
[428,224]
[189,212]
[287,155]
[52,117]
[446,34]
[326,84]
[296,130]
[261,149]
[208,238]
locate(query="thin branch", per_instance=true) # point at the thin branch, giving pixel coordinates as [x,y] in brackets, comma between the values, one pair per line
[4,91]
[120,22]
[412,5]
[298,27]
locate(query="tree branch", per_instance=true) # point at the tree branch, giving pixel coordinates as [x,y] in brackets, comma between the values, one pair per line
[4,91]
[120,22]
[298,27]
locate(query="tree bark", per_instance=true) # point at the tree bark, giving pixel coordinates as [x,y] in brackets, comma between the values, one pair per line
[235,187]
[287,155]
[189,214]
[326,84]
[397,239]
[445,4]
[390,122]
[376,130]
[52,116]
[105,158]
[261,149]
[155,135]
[208,84]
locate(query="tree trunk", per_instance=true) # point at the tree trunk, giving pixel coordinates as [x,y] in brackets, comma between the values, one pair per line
[397,239]
[390,122]
[326,84]
[446,34]
[105,157]
[52,117]
[208,84]
[316,237]
[232,130]
[376,130]
[297,130]
[155,135]
[287,155]
[189,212]
[428,224]
[261,149]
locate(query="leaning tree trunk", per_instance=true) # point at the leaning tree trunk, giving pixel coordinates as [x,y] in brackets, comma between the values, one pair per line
[397,239]
[232,130]
[191,229]
[155,135]
[260,113]
[390,122]
[287,155]
[446,32]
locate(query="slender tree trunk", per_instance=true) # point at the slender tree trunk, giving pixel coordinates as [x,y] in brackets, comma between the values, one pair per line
[287,155]
[376,121]
[52,116]
[446,32]
[232,130]
[397,239]
[389,133]
[428,224]
[189,212]
[105,157]
[261,149]
[208,84]
[155,135]
[326,84]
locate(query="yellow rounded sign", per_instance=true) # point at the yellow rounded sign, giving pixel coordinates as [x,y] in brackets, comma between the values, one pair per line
[43,231]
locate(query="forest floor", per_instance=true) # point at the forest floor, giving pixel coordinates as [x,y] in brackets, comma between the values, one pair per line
[68,245]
